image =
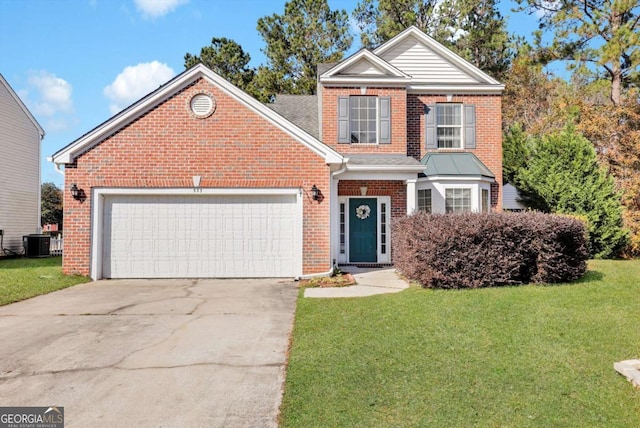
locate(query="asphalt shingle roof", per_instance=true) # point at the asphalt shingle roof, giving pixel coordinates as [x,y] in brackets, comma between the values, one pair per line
[302,110]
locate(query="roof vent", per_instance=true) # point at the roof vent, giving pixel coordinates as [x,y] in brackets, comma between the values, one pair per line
[202,105]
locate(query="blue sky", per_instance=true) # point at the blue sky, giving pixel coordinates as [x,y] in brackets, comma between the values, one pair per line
[75,63]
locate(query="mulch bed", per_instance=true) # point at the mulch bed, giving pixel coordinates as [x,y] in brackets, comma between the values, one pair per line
[342,280]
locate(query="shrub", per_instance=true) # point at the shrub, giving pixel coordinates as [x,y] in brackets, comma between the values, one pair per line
[562,176]
[483,250]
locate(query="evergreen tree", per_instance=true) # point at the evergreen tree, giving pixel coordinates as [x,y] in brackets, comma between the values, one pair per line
[307,34]
[605,33]
[563,172]
[227,58]
[380,20]
[515,152]
[51,204]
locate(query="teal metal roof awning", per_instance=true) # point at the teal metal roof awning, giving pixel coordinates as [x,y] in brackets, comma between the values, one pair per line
[455,164]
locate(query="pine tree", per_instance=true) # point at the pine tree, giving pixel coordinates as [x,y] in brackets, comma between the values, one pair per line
[307,34]
[227,58]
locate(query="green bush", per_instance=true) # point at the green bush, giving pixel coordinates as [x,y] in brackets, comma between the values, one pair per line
[483,250]
[562,176]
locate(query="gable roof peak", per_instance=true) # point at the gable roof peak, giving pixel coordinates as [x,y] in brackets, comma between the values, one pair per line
[384,72]
[22,105]
[439,49]
[167,90]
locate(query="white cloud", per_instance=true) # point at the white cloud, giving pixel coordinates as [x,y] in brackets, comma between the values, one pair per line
[155,8]
[49,98]
[52,94]
[134,82]
[456,33]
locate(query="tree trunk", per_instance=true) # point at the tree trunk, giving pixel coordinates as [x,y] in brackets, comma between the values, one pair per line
[616,85]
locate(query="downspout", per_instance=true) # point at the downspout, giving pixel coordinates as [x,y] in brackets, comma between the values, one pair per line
[332,260]
[55,165]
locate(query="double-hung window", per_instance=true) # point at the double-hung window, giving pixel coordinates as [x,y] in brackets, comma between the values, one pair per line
[450,126]
[364,119]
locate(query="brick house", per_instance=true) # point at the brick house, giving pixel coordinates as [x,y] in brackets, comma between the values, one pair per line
[198,179]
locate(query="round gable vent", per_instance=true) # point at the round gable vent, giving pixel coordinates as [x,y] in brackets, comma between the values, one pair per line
[202,105]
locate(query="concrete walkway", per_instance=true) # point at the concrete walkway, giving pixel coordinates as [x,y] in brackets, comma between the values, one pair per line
[369,282]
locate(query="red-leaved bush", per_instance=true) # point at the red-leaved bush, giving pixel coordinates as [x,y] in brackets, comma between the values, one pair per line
[483,250]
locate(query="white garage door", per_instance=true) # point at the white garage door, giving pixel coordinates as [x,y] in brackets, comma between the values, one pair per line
[224,236]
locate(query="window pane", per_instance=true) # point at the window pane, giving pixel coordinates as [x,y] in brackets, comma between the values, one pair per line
[363,119]
[449,114]
[342,228]
[485,201]
[424,200]
[383,228]
[449,138]
[457,200]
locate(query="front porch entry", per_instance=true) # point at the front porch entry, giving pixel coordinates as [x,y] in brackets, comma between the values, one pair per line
[364,229]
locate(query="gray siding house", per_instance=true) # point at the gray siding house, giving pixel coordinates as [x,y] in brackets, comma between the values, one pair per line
[20,137]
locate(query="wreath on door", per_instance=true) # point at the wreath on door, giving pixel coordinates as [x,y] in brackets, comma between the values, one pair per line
[363,211]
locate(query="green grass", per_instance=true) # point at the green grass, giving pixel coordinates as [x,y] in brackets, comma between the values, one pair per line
[530,356]
[24,278]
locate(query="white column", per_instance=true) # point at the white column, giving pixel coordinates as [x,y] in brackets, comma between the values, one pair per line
[411,196]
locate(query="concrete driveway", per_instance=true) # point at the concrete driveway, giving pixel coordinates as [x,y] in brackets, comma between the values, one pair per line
[151,353]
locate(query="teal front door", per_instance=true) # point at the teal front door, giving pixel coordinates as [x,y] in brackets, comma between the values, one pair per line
[363,230]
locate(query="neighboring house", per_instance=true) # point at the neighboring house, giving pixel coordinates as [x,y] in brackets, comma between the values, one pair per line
[20,137]
[511,198]
[50,227]
[198,179]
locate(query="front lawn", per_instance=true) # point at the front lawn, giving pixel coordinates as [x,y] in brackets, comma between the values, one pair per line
[24,278]
[529,356]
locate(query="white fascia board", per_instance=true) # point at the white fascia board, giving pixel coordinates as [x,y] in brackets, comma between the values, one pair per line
[195,191]
[458,178]
[377,175]
[67,154]
[369,81]
[364,54]
[439,49]
[456,89]
[386,168]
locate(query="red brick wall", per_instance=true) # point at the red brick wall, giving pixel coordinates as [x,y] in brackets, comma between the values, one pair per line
[396,189]
[234,147]
[398,120]
[488,132]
